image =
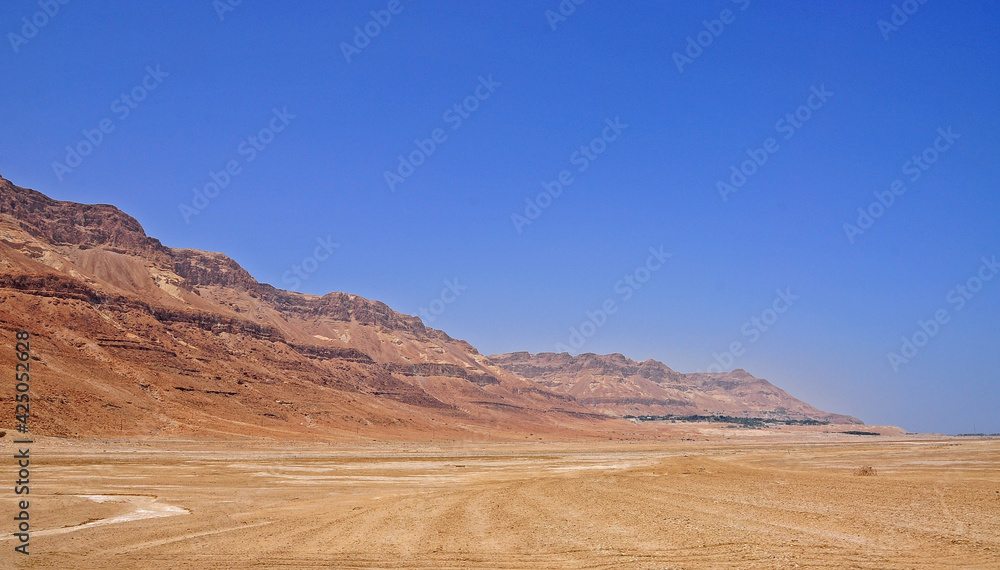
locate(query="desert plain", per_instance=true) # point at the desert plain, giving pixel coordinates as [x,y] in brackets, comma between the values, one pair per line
[186,416]
[717,499]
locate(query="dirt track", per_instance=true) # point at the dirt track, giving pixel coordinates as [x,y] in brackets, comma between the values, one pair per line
[755,504]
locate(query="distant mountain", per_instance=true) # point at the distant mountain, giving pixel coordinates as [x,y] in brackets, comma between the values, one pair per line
[616,385]
[133,338]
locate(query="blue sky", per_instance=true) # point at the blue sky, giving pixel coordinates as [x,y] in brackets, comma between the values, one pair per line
[846,301]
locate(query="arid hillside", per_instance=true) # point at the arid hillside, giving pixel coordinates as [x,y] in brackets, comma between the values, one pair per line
[614,384]
[131,338]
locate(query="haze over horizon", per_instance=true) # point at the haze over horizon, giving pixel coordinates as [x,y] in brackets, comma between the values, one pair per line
[638,238]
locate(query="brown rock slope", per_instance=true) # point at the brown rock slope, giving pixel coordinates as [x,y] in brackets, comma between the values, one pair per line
[616,385]
[132,338]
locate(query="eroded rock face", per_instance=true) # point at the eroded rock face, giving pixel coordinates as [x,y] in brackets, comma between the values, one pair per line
[345,307]
[202,268]
[615,384]
[138,339]
[141,337]
[83,225]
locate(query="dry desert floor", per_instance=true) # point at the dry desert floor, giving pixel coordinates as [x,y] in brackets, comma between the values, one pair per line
[739,503]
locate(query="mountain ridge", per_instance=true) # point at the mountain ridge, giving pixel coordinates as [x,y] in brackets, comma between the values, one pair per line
[616,384]
[172,341]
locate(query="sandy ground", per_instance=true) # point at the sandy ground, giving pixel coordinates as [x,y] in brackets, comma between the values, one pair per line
[743,503]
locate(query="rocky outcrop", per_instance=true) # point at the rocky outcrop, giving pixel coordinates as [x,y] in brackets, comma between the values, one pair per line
[613,383]
[82,225]
[611,365]
[449,370]
[343,307]
[202,269]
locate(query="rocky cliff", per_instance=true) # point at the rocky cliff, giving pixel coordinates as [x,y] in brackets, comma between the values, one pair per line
[136,339]
[614,384]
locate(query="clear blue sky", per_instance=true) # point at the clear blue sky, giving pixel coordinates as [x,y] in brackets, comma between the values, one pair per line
[323,175]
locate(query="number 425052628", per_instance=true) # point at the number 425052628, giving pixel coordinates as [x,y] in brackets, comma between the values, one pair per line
[23,379]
